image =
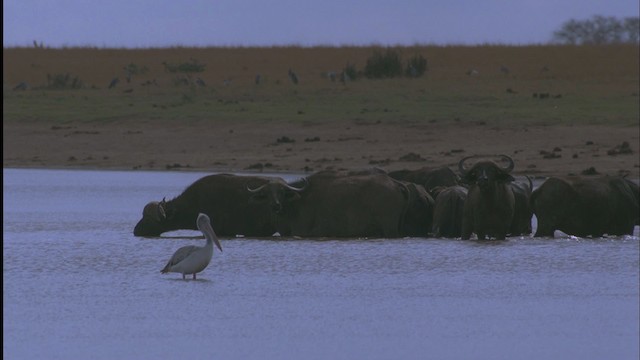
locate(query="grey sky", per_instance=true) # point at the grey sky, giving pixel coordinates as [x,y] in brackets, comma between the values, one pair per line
[161,23]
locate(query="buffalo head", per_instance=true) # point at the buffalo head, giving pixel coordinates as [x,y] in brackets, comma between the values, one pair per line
[153,215]
[484,173]
[277,192]
[489,207]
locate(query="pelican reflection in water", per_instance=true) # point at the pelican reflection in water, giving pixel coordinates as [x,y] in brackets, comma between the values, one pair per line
[193,259]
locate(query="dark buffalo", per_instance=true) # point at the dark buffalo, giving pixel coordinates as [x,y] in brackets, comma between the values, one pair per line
[489,208]
[583,207]
[522,213]
[332,204]
[222,197]
[419,213]
[448,211]
[428,177]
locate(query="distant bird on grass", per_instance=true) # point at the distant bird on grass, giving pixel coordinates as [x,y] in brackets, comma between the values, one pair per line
[293,77]
[344,77]
[113,83]
[21,87]
[193,259]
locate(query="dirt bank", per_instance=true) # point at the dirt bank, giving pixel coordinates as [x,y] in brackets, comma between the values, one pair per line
[299,147]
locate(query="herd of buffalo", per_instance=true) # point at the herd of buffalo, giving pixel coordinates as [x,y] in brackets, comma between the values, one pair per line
[483,199]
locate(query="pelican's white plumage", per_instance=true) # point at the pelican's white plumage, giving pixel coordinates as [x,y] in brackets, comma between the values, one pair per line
[193,259]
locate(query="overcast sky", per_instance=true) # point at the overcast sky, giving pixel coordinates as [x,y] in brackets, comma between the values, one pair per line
[162,23]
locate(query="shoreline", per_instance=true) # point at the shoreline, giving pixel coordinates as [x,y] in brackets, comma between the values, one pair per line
[539,151]
[535,178]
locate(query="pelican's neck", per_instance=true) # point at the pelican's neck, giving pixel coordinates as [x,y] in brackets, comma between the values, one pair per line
[209,238]
[209,234]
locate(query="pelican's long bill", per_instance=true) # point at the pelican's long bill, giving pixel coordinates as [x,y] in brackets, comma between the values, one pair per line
[208,231]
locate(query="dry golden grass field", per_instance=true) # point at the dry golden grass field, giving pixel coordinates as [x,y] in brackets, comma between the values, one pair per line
[556,110]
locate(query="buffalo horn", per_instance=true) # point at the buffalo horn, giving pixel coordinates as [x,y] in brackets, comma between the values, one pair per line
[461,164]
[304,186]
[511,164]
[256,189]
[162,213]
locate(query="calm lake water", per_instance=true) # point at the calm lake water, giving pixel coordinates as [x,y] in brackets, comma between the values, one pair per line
[78,285]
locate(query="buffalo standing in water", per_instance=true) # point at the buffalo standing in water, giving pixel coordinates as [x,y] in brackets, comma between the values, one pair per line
[448,211]
[489,207]
[418,216]
[332,204]
[222,197]
[522,213]
[583,207]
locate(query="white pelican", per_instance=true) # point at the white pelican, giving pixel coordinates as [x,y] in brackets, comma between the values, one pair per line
[193,259]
